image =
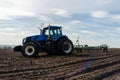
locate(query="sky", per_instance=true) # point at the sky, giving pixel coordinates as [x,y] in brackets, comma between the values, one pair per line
[94,22]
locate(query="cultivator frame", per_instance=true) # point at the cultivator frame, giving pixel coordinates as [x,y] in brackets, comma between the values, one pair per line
[83,48]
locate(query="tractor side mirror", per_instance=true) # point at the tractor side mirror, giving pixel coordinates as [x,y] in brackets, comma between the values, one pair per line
[41,31]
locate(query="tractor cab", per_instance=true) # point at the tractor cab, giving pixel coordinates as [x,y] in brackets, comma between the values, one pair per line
[52,32]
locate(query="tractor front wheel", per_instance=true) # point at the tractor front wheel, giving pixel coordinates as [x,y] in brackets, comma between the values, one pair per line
[30,50]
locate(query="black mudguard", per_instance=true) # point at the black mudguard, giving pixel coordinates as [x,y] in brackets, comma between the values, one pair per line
[17,48]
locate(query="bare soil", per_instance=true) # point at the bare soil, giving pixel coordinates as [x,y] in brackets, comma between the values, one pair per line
[78,66]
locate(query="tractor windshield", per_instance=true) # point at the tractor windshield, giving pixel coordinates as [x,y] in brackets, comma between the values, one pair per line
[53,32]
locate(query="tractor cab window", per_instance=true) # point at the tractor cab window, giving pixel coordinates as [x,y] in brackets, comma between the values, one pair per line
[56,32]
[52,33]
[46,32]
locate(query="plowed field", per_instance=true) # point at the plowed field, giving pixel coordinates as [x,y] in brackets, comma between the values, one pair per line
[78,66]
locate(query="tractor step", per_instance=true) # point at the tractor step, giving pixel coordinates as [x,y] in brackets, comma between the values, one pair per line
[51,47]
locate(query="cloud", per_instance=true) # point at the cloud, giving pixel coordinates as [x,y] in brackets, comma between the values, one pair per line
[75,22]
[9,9]
[106,17]
[118,28]
[88,32]
[14,35]
[11,31]
[99,14]
[61,12]
[9,13]
[6,29]
[117,16]
[103,2]
[81,18]
[37,7]
[45,19]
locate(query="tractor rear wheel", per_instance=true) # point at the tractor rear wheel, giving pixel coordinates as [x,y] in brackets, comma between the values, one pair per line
[65,46]
[30,50]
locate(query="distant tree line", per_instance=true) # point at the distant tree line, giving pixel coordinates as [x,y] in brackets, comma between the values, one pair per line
[6,48]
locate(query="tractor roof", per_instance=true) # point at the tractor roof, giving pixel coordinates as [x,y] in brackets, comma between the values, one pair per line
[53,27]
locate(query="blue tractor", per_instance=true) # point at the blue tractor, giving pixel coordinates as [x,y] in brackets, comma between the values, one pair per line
[50,41]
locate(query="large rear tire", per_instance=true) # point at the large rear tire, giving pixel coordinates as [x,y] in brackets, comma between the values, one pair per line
[30,50]
[65,46]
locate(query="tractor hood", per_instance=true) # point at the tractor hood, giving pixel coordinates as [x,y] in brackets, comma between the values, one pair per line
[33,38]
